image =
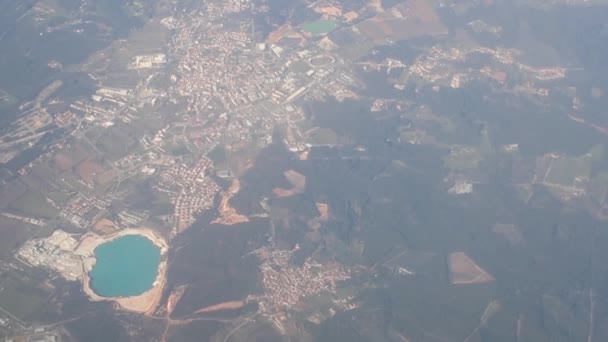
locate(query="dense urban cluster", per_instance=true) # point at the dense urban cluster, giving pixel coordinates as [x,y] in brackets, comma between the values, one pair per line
[195,191]
[285,284]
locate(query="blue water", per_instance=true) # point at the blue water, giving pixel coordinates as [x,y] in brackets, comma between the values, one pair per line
[125,267]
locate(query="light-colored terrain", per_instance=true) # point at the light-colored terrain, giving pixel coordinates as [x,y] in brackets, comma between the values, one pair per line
[298,182]
[323,209]
[227,214]
[232,305]
[105,227]
[174,298]
[463,270]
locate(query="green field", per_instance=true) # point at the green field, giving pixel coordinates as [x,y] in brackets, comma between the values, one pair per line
[17,300]
[563,171]
[584,167]
[319,26]
[115,144]
[599,187]
[597,153]
[60,196]
[34,203]
[323,137]
[176,149]
[355,51]
[463,158]
[13,234]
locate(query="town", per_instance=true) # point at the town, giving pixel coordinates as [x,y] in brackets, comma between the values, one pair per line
[182,106]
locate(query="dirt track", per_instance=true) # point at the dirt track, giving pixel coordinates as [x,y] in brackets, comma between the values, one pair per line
[236,304]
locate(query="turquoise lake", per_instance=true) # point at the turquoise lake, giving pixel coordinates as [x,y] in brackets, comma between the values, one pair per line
[125,267]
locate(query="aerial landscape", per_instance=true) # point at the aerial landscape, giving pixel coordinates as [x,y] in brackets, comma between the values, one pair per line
[304,170]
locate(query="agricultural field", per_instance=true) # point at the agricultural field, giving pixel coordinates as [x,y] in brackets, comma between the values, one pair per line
[34,203]
[510,232]
[19,299]
[319,26]
[563,171]
[463,158]
[463,270]
[356,51]
[13,234]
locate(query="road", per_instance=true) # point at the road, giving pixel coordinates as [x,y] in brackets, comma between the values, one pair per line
[247,320]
